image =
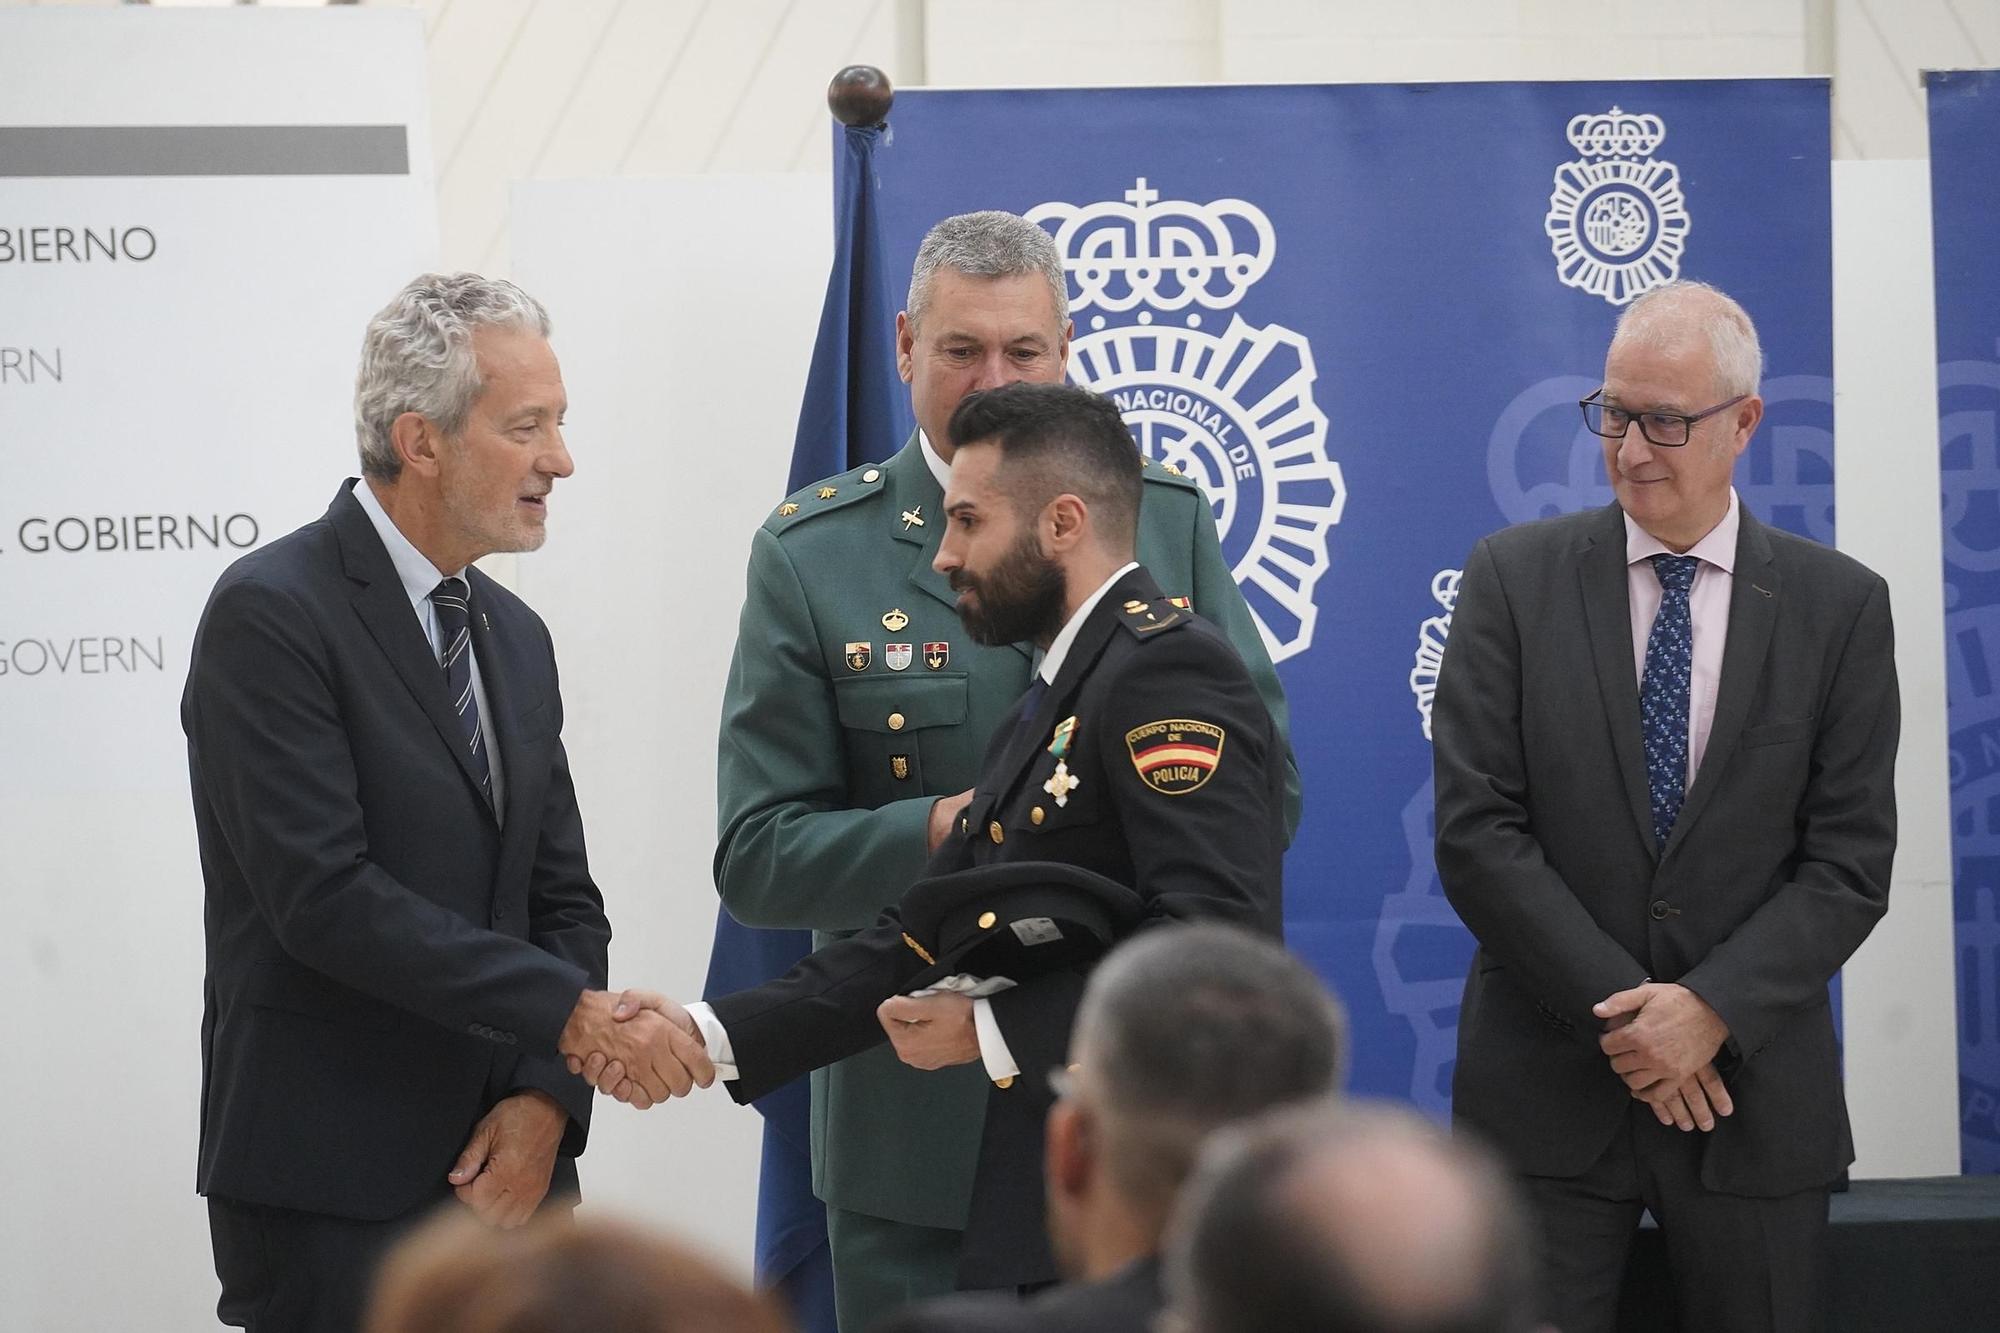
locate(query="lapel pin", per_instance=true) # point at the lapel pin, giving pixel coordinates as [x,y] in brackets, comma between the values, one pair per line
[1760,588]
[487,625]
[895,621]
[913,518]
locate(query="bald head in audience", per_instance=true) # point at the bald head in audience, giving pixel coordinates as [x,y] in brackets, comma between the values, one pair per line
[1355,1218]
[458,1275]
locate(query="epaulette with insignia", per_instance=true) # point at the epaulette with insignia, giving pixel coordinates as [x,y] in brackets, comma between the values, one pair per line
[1146,619]
[1166,474]
[823,497]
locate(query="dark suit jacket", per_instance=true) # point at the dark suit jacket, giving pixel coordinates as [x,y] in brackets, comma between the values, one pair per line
[1775,872]
[383,959]
[1125,1302]
[1214,851]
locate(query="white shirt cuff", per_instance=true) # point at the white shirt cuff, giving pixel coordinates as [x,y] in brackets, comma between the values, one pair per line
[720,1053]
[992,1046]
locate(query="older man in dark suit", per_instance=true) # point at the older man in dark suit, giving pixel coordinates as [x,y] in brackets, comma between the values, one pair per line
[1665,751]
[403,935]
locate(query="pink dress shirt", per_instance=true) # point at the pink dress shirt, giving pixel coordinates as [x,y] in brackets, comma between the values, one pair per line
[1708,608]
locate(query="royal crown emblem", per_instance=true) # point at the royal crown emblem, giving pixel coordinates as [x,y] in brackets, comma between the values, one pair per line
[1431,636]
[1617,220]
[1233,410]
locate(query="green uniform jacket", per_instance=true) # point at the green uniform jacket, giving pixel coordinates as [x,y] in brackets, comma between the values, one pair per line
[855,700]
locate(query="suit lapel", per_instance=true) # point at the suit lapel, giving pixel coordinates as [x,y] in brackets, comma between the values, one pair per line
[916,519]
[1755,589]
[384,609]
[1607,609]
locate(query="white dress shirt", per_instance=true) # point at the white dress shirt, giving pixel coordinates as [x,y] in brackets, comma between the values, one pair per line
[420,578]
[993,1052]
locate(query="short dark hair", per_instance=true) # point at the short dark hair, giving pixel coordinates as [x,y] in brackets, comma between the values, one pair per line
[1055,440]
[1190,1027]
[1286,1221]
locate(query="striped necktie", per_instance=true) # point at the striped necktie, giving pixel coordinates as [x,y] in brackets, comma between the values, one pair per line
[1663,692]
[453,600]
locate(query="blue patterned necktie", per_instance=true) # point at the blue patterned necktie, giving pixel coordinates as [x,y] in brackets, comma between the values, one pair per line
[1663,692]
[453,600]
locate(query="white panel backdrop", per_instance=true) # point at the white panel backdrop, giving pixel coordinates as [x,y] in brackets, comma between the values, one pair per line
[684,316]
[1901,1043]
[213,380]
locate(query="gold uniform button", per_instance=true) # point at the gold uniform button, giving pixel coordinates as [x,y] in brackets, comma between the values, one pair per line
[1036,816]
[871,474]
[995,832]
[1004,1082]
[896,721]
[986,920]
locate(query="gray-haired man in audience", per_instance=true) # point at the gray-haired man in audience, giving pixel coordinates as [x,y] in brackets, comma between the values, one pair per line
[1182,1030]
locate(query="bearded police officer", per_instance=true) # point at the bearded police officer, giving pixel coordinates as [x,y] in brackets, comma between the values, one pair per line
[856,711]
[1141,752]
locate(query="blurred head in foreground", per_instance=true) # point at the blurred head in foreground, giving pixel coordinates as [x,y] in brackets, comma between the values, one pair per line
[457,1275]
[1182,1030]
[1349,1218]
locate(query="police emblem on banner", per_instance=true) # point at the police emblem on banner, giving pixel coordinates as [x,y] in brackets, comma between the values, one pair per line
[1233,409]
[1431,636]
[1617,220]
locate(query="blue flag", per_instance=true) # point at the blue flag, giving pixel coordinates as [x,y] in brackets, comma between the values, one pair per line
[855,411]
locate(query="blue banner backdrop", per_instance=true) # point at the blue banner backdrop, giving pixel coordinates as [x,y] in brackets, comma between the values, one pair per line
[1965,213]
[1362,317]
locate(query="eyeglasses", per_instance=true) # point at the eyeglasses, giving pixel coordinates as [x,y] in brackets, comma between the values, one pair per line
[1668,430]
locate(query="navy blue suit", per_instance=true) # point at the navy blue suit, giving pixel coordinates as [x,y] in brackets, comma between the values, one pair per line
[386,957]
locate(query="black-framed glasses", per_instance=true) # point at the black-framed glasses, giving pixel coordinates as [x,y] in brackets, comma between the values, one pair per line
[1668,430]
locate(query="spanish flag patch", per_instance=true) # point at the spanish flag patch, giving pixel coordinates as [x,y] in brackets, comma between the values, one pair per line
[1176,755]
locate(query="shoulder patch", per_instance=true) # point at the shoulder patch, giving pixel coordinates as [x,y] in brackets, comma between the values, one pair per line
[1175,755]
[1145,619]
[823,497]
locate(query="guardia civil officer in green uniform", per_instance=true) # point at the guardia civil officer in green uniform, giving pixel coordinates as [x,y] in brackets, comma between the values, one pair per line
[856,714]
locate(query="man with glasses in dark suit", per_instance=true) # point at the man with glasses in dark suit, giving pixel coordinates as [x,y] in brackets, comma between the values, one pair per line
[1665,743]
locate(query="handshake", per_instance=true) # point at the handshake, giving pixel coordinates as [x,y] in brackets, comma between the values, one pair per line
[638,1046]
[642,1048]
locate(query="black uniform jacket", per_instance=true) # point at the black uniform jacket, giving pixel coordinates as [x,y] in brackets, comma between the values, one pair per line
[385,958]
[1150,760]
